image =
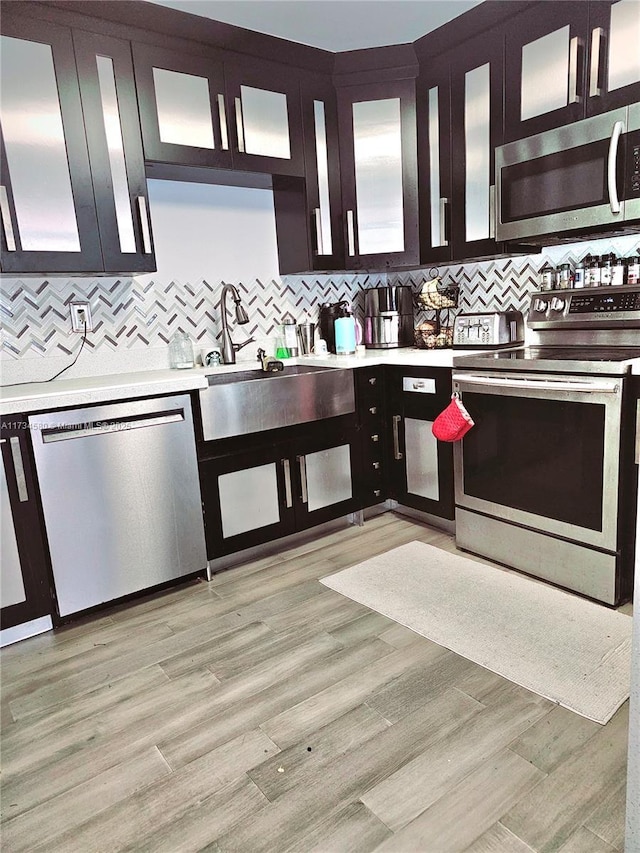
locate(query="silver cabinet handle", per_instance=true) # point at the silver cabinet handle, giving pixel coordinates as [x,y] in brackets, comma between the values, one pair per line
[597,45]
[239,125]
[396,438]
[286,465]
[9,236]
[443,221]
[18,467]
[614,201]
[318,227]
[222,112]
[70,431]
[574,58]
[144,224]
[373,410]
[303,478]
[351,234]
[373,380]
[492,211]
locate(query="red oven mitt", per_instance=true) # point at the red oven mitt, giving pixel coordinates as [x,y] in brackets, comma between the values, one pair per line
[452,423]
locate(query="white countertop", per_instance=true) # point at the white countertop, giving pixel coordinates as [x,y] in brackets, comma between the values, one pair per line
[64,393]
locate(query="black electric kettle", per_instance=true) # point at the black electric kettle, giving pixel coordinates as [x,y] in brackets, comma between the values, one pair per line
[329,313]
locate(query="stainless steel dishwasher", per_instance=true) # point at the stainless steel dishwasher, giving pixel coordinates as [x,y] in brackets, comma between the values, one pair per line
[121,498]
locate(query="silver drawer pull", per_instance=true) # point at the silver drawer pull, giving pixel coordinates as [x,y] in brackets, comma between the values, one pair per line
[375,437]
[373,410]
[373,380]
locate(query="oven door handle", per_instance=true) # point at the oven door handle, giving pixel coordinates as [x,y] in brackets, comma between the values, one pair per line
[586,386]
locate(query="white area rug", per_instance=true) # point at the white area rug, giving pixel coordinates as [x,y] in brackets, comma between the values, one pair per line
[558,645]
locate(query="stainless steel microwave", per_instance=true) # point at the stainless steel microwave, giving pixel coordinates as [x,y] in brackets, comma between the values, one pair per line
[575,178]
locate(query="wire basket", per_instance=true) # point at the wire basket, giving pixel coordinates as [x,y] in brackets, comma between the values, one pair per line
[435,296]
[426,338]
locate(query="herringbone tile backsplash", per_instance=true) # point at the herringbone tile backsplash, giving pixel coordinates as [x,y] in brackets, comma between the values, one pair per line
[139,315]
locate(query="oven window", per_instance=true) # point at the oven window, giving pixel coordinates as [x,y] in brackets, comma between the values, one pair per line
[567,180]
[539,456]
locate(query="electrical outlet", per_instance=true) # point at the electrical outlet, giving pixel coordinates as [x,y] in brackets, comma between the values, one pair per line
[81,317]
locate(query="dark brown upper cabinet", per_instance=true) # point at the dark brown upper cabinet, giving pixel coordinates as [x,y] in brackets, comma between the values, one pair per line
[379,173]
[265,117]
[309,210]
[183,113]
[197,110]
[73,195]
[460,122]
[568,61]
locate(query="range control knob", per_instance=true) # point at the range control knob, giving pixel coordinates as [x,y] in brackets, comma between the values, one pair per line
[557,304]
[540,306]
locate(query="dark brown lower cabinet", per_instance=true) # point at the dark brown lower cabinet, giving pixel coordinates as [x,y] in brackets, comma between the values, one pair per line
[25,593]
[420,470]
[271,488]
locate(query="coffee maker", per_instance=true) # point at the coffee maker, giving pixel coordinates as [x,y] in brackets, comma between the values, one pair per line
[329,313]
[388,317]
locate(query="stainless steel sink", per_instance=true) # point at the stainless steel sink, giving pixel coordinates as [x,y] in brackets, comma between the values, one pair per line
[253,400]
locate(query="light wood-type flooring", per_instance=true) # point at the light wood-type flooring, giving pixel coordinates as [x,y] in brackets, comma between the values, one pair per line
[265,712]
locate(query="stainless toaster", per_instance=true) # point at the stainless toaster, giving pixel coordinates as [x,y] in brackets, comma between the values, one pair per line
[489,330]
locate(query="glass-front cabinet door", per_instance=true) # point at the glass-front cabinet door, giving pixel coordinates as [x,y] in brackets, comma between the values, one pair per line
[182,106]
[421,468]
[248,499]
[379,173]
[265,118]
[576,60]
[434,144]
[322,184]
[47,204]
[110,111]
[476,131]
[325,476]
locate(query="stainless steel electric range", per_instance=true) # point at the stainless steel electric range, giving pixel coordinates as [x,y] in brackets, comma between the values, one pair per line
[543,480]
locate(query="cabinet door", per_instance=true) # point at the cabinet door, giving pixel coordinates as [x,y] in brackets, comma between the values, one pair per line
[421,466]
[325,472]
[378,158]
[434,164]
[476,130]
[248,499]
[24,584]
[265,118]
[320,121]
[545,68]
[110,110]
[46,197]
[308,210]
[614,55]
[566,61]
[182,106]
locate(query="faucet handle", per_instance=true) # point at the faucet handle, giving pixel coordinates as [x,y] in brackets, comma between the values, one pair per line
[237,347]
[261,354]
